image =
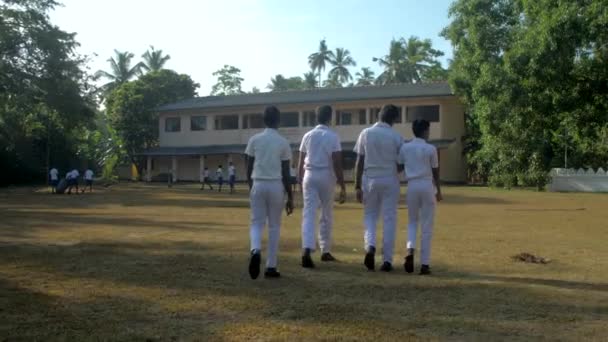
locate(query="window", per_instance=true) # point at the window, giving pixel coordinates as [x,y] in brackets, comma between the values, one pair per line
[253,121]
[226,122]
[375,115]
[198,123]
[310,119]
[172,124]
[362,116]
[344,117]
[290,119]
[428,113]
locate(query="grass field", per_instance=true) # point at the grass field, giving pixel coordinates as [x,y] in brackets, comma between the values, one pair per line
[143,262]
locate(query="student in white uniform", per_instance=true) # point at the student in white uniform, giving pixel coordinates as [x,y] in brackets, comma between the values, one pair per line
[422,173]
[72,179]
[268,158]
[377,183]
[219,175]
[54,177]
[88,178]
[206,180]
[320,167]
[231,176]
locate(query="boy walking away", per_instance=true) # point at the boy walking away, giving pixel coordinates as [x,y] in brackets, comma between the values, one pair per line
[206,180]
[377,183]
[268,157]
[320,166]
[422,173]
[231,176]
[219,175]
[88,179]
[54,178]
[72,178]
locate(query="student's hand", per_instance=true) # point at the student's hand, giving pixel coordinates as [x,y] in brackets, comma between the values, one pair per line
[289,206]
[342,197]
[359,195]
[438,197]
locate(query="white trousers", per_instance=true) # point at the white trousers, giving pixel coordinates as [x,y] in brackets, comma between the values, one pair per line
[318,187]
[381,196]
[267,202]
[421,209]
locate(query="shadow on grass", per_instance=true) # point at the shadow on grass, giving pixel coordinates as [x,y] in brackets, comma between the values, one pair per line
[451,305]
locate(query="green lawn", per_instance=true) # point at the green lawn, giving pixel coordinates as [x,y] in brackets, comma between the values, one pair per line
[144,262]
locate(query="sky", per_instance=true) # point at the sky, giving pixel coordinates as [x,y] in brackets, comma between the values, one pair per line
[261,37]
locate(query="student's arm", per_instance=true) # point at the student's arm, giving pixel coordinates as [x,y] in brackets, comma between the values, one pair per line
[358,176]
[435,168]
[301,166]
[250,161]
[286,184]
[339,171]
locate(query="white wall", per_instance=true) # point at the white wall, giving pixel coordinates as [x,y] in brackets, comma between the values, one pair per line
[570,180]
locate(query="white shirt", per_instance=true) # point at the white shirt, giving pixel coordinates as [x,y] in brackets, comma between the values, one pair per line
[74,174]
[206,173]
[54,174]
[88,175]
[419,158]
[219,172]
[231,170]
[269,149]
[319,144]
[380,145]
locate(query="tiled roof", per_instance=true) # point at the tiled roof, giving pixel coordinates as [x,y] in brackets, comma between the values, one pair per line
[314,96]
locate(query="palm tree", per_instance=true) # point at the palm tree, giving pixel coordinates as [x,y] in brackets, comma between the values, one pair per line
[310,80]
[317,59]
[391,64]
[340,61]
[332,82]
[154,59]
[365,77]
[121,72]
[277,83]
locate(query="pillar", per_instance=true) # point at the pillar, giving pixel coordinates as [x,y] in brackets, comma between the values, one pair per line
[201,162]
[301,119]
[149,169]
[368,114]
[174,168]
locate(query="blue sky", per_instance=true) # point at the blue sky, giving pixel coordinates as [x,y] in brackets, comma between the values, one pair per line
[261,37]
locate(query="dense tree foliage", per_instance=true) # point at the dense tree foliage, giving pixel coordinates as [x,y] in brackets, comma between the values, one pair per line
[228,81]
[534,75]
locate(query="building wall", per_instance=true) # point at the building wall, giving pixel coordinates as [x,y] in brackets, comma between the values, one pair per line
[450,126]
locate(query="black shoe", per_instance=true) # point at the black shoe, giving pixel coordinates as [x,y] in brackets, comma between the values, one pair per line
[370,258]
[386,267]
[409,264]
[425,270]
[307,260]
[327,257]
[272,273]
[254,264]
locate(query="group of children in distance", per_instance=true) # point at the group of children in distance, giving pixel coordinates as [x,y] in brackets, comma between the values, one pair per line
[71,181]
[219,177]
[381,156]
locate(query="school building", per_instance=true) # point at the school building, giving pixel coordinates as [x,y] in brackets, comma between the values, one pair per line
[214,130]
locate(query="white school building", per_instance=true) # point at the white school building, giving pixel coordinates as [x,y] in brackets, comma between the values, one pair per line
[214,130]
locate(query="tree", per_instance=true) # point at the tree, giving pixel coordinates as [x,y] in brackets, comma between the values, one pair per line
[365,77]
[154,60]
[340,62]
[530,72]
[310,80]
[228,81]
[255,90]
[280,83]
[131,108]
[408,61]
[317,60]
[46,96]
[121,70]
[332,82]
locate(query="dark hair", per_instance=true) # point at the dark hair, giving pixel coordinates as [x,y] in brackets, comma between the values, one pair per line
[272,117]
[220,166]
[419,127]
[324,114]
[389,114]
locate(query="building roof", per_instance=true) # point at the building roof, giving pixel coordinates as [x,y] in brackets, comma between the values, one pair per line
[314,96]
[240,149]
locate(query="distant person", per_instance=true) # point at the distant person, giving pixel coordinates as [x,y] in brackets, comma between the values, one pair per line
[54,179]
[320,168]
[231,176]
[268,156]
[206,180]
[219,175]
[88,179]
[293,179]
[377,184]
[72,179]
[423,190]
